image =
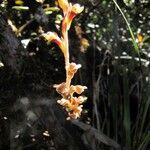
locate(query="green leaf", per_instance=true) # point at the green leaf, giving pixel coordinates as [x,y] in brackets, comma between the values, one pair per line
[20,7]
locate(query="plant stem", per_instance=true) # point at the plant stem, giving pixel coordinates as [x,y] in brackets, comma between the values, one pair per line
[67,57]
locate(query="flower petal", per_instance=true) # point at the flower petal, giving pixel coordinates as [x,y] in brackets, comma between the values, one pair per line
[63,4]
[73,10]
[75,113]
[53,37]
[76,8]
[74,67]
[61,89]
[63,102]
[77,88]
[49,36]
[82,99]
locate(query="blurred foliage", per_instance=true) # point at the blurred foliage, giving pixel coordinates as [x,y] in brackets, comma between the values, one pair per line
[117,77]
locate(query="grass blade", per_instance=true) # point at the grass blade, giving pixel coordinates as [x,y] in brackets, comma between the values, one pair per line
[145,142]
[129,28]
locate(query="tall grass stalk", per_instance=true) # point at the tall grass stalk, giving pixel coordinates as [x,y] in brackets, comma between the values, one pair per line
[145,142]
[126,116]
[136,48]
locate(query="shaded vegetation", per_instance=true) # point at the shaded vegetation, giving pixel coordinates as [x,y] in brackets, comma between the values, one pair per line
[115,68]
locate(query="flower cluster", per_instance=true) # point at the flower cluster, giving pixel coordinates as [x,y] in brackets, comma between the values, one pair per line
[71,103]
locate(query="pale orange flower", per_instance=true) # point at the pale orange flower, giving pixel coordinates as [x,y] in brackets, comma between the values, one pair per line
[74,10]
[82,99]
[53,37]
[70,11]
[64,102]
[73,106]
[77,89]
[76,101]
[76,113]
[61,89]
[73,67]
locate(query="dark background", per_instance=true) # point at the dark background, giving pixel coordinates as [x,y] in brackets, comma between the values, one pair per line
[116,114]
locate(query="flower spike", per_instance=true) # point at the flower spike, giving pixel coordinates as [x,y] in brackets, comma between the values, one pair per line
[73,105]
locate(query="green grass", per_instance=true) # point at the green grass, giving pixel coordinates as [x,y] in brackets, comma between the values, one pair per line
[136,48]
